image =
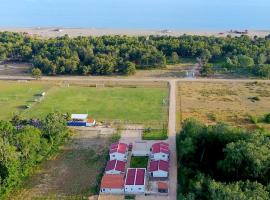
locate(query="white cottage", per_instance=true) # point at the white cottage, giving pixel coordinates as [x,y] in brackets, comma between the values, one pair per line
[119,151]
[159,169]
[135,181]
[160,151]
[112,184]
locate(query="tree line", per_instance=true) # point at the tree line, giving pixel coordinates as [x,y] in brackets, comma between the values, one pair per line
[107,55]
[220,162]
[24,144]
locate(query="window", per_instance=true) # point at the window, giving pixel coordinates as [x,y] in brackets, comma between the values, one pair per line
[113,155]
[163,156]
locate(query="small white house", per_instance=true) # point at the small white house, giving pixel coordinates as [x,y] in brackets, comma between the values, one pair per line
[140,149]
[90,122]
[115,167]
[159,169]
[119,151]
[112,184]
[160,151]
[79,117]
[135,181]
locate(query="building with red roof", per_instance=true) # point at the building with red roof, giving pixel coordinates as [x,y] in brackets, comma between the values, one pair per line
[135,181]
[160,151]
[115,167]
[119,151]
[112,184]
[159,169]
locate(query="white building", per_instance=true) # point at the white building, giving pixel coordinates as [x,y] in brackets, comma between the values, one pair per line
[159,169]
[115,167]
[140,149]
[112,184]
[79,117]
[160,151]
[119,151]
[135,181]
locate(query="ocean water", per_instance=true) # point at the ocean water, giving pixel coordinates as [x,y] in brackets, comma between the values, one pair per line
[148,14]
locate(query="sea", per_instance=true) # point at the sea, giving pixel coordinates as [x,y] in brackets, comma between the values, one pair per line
[137,14]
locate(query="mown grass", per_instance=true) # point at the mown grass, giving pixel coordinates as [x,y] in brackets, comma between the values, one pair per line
[139,162]
[134,105]
[156,134]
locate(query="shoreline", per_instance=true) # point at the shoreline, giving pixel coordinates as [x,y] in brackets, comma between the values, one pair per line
[48,32]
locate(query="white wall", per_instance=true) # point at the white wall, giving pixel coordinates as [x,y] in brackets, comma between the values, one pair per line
[159,174]
[140,153]
[118,156]
[113,172]
[134,189]
[160,156]
[111,191]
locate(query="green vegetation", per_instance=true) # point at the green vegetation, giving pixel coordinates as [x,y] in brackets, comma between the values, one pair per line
[220,162]
[36,73]
[107,55]
[155,134]
[139,162]
[25,144]
[134,105]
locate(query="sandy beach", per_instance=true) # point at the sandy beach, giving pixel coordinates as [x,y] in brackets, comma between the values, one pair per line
[74,32]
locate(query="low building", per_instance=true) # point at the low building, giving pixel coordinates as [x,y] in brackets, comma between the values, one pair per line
[160,151]
[112,184]
[162,187]
[159,169]
[135,181]
[119,151]
[79,117]
[90,122]
[115,167]
[140,149]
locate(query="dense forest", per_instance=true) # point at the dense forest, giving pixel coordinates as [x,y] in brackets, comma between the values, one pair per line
[107,55]
[24,144]
[219,162]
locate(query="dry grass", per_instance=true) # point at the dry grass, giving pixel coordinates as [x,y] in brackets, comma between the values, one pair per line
[72,174]
[224,102]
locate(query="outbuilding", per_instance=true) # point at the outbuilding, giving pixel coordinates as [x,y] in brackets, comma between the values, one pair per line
[140,149]
[162,187]
[112,184]
[135,181]
[159,169]
[119,151]
[160,151]
[115,167]
[79,117]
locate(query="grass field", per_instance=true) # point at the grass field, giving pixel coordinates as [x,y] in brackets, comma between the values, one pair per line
[139,105]
[139,162]
[70,175]
[224,102]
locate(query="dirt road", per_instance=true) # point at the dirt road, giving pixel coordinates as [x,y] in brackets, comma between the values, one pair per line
[172,141]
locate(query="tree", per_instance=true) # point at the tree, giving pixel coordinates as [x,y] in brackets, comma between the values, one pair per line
[36,73]
[127,68]
[174,58]
[206,70]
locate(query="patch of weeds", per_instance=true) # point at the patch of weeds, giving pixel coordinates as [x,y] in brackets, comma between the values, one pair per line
[139,162]
[129,197]
[254,99]
[154,134]
[211,116]
[217,92]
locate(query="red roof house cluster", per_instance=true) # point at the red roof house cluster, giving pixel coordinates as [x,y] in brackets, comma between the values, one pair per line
[116,165]
[157,165]
[119,148]
[160,147]
[135,176]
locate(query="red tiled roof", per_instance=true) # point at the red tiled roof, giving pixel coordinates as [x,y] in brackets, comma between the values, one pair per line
[160,147]
[159,165]
[116,165]
[135,176]
[118,147]
[162,185]
[112,181]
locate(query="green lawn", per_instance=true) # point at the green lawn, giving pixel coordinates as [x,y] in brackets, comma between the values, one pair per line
[15,96]
[141,105]
[139,162]
[156,134]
